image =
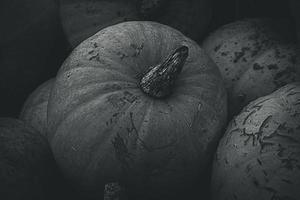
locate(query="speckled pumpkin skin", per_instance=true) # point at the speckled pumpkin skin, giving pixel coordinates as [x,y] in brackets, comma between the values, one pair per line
[103,128]
[26,163]
[254,58]
[34,111]
[83,18]
[259,156]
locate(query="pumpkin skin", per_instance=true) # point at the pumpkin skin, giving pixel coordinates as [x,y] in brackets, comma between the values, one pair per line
[83,18]
[27,167]
[32,47]
[254,59]
[103,128]
[34,111]
[259,155]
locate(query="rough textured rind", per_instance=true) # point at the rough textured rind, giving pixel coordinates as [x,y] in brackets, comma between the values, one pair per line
[34,111]
[259,155]
[103,128]
[83,18]
[255,57]
[26,163]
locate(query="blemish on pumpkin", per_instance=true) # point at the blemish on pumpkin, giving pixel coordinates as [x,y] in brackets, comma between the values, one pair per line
[226,161]
[129,97]
[287,181]
[254,136]
[259,161]
[248,116]
[289,163]
[137,49]
[122,55]
[73,148]
[256,66]
[255,182]
[217,47]
[248,168]
[239,55]
[272,66]
[255,52]
[94,57]
[121,151]
[224,53]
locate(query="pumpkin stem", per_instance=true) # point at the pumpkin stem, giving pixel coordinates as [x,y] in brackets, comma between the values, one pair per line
[113,191]
[158,81]
[147,8]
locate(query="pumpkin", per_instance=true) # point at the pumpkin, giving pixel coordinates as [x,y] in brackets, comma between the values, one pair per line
[32,47]
[259,155]
[254,59]
[137,103]
[27,167]
[34,111]
[83,18]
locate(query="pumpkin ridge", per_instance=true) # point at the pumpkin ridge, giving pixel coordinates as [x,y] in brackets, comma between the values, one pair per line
[75,108]
[211,107]
[85,69]
[86,97]
[114,85]
[124,114]
[193,83]
[105,137]
[99,65]
[37,94]
[113,69]
[146,120]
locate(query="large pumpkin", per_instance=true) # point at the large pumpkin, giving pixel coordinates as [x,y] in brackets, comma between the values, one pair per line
[116,112]
[254,59]
[32,47]
[34,111]
[27,167]
[259,156]
[83,18]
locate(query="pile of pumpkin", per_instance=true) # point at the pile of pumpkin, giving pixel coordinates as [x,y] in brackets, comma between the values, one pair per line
[158,99]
